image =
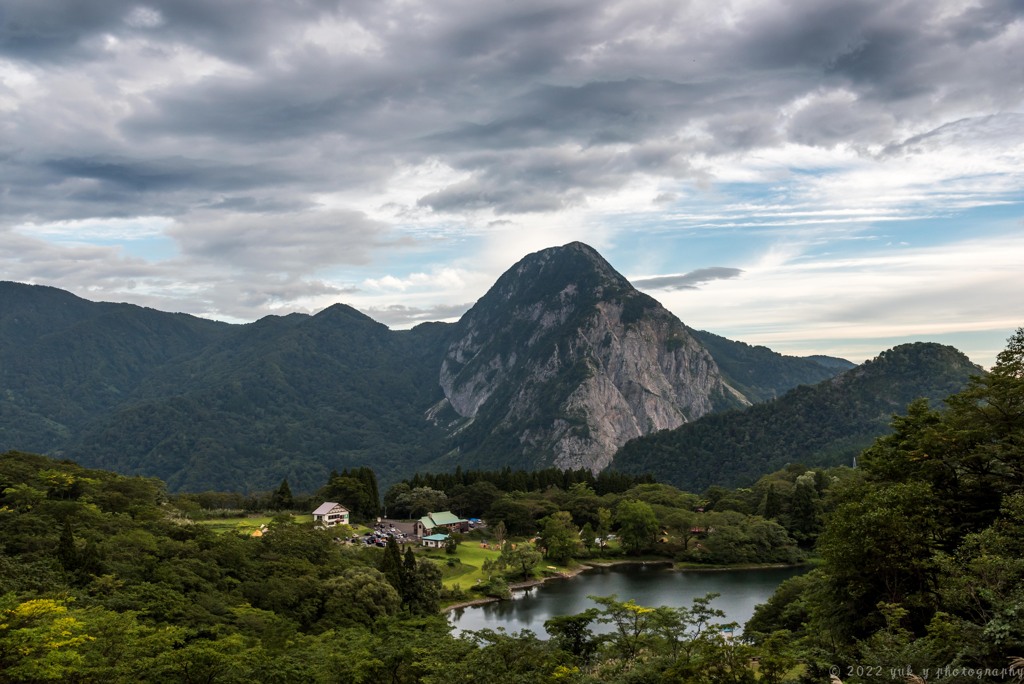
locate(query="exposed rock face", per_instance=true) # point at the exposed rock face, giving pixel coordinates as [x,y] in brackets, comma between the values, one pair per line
[563,361]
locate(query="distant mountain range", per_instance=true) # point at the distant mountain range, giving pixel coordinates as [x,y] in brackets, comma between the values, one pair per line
[561,363]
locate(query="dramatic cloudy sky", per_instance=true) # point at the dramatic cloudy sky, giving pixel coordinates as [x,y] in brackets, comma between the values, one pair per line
[819,176]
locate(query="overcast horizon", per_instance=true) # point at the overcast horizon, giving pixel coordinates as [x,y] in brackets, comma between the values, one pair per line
[822,177]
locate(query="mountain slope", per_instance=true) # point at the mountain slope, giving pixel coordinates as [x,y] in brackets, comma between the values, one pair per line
[559,364]
[563,361]
[65,361]
[287,397]
[762,374]
[824,424]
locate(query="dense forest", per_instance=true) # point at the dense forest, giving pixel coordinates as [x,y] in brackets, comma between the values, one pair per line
[923,553]
[823,425]
[206,405]
[921,574]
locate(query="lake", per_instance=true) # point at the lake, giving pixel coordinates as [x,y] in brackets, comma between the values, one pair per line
[648,585]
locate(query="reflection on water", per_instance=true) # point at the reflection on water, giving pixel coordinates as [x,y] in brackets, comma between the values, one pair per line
[649,585]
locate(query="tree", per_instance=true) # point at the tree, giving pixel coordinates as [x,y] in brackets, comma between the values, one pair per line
[499,533]
[631,624]
[588,537]
[879,546]
[282,500]
[391,566]
[771,503]
[559,537]
[396,500]
[572,634]
[805,509]
[638,526]
[67,553]
[682,523]
[475,499]
[514,514]
[358,596]
[604,524]
[409,562]
[352,493]
[520,559]
[423,589]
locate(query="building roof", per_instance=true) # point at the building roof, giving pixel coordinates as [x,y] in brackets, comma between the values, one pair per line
[436,537]
[328,506]
[445,518]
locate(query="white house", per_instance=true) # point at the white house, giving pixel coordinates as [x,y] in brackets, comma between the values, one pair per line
[435,541]
[330,514]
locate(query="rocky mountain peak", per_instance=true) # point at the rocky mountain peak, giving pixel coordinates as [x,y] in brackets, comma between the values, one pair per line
[573,273]
[562,361]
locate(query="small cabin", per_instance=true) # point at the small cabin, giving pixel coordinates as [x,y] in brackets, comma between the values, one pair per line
[435,541]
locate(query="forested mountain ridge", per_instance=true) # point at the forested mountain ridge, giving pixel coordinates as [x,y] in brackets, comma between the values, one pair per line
[561,363]
[923,550]
[65,360]
[762,374]
[818,425]
[294,397]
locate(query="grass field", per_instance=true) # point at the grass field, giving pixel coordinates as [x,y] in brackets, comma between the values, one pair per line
[471,559]
[246,524]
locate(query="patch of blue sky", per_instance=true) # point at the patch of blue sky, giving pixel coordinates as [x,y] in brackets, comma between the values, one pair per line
[98,231]
[153,248]
[685,251]
[949,227]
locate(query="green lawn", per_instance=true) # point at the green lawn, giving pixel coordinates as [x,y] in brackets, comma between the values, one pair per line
[471,559]
[246,524]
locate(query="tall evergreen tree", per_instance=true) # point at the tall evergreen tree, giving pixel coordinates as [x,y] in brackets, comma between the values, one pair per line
[391,566]
[67,554]
[282,499]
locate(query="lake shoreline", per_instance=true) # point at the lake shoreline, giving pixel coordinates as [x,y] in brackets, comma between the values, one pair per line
[583,567]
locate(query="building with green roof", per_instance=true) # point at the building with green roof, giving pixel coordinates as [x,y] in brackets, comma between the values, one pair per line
[445,520]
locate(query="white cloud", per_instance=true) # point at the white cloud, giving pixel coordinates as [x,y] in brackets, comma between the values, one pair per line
[788,298]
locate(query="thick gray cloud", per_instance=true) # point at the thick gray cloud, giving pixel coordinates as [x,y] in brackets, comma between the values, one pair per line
[260,128]
[687,281]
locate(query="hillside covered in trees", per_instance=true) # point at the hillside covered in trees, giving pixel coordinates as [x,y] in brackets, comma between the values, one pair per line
[209,405]
[825,424]
[921,573]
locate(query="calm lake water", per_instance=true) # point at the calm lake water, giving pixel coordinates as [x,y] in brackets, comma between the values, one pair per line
[648,585]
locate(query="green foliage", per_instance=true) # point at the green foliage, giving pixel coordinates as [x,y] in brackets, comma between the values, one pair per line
[559,537]
[282,499]
[164,599]
[762,374]
[356,490]
[821,425]
[637,525]
[206,405]
[519,559]
[922,549]
[392,567]
[414,502]
[572,634]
